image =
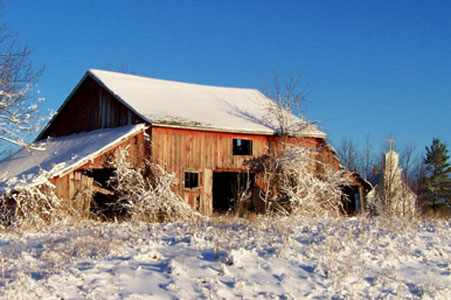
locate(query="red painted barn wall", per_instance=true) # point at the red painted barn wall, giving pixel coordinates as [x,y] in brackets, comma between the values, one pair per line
[183,148]
[205,152]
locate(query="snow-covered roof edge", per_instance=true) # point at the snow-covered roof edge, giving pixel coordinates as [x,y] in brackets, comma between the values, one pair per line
[137,129]
[225,130]
[61,169]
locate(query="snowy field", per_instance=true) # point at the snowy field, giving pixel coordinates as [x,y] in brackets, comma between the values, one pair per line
[224,258]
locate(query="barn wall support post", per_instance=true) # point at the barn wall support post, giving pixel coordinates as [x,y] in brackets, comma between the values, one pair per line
[362,200]
[207,192]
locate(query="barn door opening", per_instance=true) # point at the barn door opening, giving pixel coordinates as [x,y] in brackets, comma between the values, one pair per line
[227,188]
[103,203]
[351,200]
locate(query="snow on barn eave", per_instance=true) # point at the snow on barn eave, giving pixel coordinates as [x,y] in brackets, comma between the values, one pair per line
[134,130]
[62,155]
[193,106]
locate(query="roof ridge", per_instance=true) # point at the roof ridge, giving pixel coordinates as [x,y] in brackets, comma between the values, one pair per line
[93,72]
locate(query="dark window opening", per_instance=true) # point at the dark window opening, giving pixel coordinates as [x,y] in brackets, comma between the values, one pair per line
[191,179]
[101,176]
[242,147]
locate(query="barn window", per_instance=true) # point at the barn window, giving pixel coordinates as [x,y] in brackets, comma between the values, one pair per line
[242,147]
[191,179]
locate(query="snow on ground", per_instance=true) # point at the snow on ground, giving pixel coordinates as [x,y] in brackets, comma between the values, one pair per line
[225,258]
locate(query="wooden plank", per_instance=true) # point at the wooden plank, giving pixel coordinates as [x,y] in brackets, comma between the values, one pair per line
[72,185]
[362,200]
[206,204]
[101,190]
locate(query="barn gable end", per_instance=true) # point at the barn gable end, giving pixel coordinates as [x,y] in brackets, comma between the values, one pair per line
[89,107]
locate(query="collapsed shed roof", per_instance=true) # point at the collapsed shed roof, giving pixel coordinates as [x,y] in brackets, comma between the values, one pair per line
[60,154]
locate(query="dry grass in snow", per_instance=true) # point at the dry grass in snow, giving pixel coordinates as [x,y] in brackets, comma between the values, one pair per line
[227,258]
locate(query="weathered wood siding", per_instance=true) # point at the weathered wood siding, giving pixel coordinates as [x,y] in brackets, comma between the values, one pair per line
[180,149]
[205,152]
[90,107]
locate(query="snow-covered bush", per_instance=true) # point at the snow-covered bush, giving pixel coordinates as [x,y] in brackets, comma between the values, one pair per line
[33,203]
[242,195]
[298,183]
[309,193]
[146,194]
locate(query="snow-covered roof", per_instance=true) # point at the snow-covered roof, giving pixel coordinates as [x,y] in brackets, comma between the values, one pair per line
[61,154]
[177,103]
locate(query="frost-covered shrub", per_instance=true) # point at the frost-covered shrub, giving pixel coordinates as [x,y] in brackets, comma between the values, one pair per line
[309,193]
[33,203]
[146,194]
[298,183]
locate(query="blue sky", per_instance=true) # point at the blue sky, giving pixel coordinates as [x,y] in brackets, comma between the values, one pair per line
[371,67]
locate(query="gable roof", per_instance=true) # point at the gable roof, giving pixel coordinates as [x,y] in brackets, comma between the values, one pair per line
[61,155]
[186,104]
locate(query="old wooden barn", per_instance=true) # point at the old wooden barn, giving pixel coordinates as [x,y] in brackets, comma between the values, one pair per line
[203,134]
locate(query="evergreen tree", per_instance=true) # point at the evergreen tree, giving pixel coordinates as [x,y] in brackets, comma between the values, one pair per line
[437,177]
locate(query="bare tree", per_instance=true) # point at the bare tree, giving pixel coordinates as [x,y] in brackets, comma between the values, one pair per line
[354,156]
[123,67]
[367,158]
[286,104]
[406,161]
[293,179]
[19,113]
[348,154]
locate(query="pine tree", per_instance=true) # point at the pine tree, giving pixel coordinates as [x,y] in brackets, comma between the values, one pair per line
[437,177]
